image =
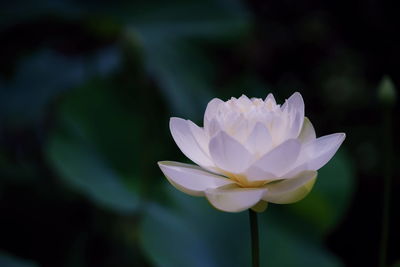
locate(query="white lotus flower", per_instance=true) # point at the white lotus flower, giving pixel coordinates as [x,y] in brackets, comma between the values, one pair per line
[249,152]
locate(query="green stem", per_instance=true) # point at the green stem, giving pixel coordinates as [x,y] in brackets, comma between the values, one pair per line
[388,153]
[255,250]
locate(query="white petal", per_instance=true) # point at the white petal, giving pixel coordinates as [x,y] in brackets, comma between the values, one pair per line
[200,136]
[294,103]
[294,106]
[307,133]
[187,143]
[244,101]
[270,97]
[280,159]
[232,198]
[254,174]
[213,127]
[228,154]
[238,128]
[191,179]
[260,140]
[322,149]
[211,110]
[290,190]
[300,166]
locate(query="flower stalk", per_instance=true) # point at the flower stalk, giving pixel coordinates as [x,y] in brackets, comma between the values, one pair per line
[255,248]
[387,95]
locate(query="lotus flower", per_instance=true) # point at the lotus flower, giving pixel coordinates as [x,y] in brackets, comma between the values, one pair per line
[249,152]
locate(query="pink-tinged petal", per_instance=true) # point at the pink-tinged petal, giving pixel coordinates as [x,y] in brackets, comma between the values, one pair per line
[244,101]
[228,154]
[187,143]
[290,190]
[232,198]
[191,179]
[299,167]
[260,140]
[279,160]
[307,133]
[322,149]
[294,106]
[212,128]
[254,174]
[270,97]
[200,137]
[211,111]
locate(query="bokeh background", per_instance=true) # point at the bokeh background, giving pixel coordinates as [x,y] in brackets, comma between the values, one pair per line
[86,92]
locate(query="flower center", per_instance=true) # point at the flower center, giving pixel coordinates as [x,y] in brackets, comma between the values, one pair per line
[241,180]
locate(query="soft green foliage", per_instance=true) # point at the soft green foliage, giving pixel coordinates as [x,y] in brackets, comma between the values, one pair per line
[84,113]
[387,91]
[327,203]
[7,260]
[207,237]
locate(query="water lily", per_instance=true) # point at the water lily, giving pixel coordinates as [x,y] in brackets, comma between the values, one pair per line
[249,152]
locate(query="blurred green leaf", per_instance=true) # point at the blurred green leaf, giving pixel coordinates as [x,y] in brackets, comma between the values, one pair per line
[23,10]
[182,73]
[95,150]
[327,203]
[85,170]
[6,260]
[41,77]
[387,91]
[193,232]
[171,43]
[284,247]
[170,241]
[97,114]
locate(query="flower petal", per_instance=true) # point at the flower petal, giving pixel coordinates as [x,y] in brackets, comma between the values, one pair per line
[290,190]
[270,98]
[228,154]
[232,198]
[322,149]
[191,179]
[261,206]
[200,137]
[279,160]
[211,110]
[294,106]
[260,140]
[187,143]
[307,133]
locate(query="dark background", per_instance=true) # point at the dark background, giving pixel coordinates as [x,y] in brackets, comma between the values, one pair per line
[86,92]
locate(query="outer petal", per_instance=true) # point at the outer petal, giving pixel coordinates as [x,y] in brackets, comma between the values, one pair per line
[291,190]
[200,137]
[322,149]
[307,133]
[295,108]
[228,154]
[270,97]
[260,206]
[260,140]
[187,143]
[213,127]
[279,160]
[191,179]
[211,110]
[232,198]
